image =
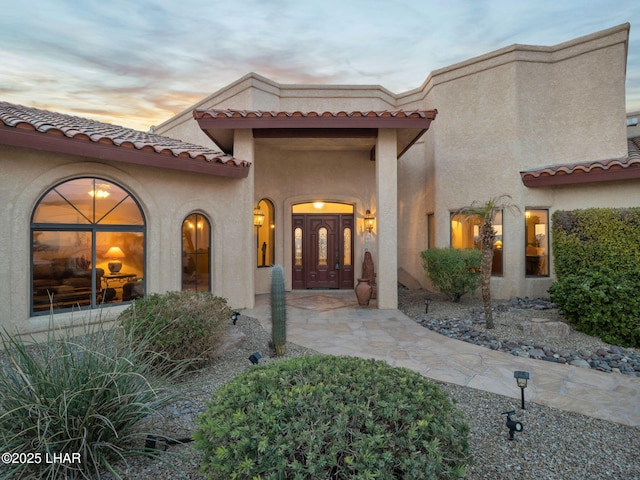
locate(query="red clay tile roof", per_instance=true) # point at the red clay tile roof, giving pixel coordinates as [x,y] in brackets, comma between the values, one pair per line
[45,130]
[586,172]
[219,124]
[213,113]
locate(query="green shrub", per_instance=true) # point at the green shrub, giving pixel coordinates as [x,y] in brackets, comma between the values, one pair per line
[83,395]
[601,302]
[331,417]
[453,271]
[597,264]
[183,326]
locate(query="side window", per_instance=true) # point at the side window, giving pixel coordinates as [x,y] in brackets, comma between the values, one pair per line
[87,246]
[264,222]
[196,253]
[465,233]
[536,228]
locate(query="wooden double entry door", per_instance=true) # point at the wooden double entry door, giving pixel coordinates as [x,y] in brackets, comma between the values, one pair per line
[322,251]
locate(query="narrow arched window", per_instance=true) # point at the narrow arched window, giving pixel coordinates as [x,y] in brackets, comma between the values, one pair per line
[196,253]
[87,246]
[264,222]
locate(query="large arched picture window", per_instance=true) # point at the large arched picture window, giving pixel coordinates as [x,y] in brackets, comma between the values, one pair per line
[196,247]
[87,246]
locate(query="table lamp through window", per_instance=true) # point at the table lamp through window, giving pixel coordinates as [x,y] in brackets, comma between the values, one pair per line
[114,254]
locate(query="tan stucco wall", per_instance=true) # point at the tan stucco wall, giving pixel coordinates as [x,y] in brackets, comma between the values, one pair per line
[287,177]
[166,197]
[517,108]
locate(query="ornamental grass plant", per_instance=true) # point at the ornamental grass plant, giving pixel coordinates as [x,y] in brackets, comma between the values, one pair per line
[83,396]
[325,417]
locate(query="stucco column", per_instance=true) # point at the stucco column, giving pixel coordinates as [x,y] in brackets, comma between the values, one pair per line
[242,274]
[387,218]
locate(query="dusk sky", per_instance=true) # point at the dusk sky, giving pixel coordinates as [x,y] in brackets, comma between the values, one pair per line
[137,62]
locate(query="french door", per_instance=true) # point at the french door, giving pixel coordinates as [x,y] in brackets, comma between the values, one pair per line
[322,251]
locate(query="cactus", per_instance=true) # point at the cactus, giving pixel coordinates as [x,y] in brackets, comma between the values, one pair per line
[278,311]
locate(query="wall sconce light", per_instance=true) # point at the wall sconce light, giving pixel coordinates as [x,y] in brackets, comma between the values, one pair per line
[115,254]
[255,358]
[258,217]
[513,425]
[369,221]
[427,301]
[234,317]
[521,380]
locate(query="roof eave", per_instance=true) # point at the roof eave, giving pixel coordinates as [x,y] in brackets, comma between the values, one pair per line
[580,177]
[220,128]
[101,151]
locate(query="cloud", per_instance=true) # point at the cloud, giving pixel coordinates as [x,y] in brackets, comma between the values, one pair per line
[151,58]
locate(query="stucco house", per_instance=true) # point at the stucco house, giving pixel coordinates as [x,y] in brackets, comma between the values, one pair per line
[311,177]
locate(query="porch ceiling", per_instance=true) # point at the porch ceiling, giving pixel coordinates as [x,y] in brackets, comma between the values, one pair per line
[313,130]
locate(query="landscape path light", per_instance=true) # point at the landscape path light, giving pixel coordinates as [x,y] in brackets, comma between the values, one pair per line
[255,358]
[521,380]
[513,425]
[427,301]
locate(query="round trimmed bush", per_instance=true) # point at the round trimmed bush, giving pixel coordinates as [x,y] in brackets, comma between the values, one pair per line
[331,417]
[186,327]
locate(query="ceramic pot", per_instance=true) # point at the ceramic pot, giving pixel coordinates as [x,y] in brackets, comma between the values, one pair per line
[363,291]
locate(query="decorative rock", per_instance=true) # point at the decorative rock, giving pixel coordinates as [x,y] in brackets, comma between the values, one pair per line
[606,358]
[546,328]
[579,362]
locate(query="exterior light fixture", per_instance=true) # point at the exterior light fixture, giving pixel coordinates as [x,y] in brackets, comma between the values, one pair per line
[513,425]
[234,317]
[258,217]
[255,358]
[115,254]
[369,221]
[427,301]
[521,379]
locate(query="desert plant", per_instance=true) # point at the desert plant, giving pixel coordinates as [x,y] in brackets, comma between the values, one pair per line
[485,212]
[601,302]
[331,417]
[453,271]
[82,396]
[184,326]
[278,311]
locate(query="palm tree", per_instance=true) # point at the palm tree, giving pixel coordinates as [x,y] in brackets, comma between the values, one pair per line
[485,212]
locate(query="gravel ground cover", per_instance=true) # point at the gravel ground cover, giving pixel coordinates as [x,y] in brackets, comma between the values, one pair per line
[553,444]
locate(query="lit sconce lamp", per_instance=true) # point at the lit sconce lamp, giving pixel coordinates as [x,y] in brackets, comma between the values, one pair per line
[258,217]
[115,254]
[369,221]
[521,379]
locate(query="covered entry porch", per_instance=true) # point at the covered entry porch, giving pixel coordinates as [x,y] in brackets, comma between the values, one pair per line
[341,158]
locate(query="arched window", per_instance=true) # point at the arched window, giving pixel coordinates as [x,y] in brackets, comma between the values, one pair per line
[87,246]
[265,224]
[196,249]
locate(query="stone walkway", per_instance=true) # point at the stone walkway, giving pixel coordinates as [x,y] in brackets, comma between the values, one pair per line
[331,322]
